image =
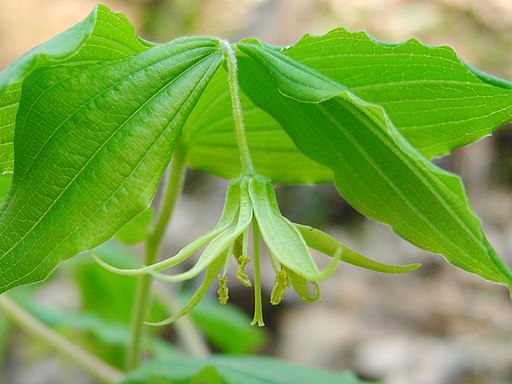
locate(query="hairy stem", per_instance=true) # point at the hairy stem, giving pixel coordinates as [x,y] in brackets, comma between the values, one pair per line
[153,243]
[96,367]
[245,156]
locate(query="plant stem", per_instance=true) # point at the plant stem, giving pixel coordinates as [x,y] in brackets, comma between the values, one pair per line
[238,119]
[96,367]
[153,243]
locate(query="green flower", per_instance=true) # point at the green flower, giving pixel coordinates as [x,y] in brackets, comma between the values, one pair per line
[250,199]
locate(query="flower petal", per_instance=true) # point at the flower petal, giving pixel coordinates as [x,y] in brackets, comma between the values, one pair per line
[211,274]
[283,240]
[326,244]
[227,219]
[220,243]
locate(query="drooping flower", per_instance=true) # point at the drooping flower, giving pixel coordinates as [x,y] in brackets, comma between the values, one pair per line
[250,199]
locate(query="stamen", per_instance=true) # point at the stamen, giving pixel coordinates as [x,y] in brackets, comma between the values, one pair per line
[240,274]
[223,290]
[282,282]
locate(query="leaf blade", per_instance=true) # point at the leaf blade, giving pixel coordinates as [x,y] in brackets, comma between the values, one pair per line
[436,101]
[247,370]
[375,168]
[97,164]
[103,35]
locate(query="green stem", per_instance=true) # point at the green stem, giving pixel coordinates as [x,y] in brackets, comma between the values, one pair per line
[153,243]
[245,155]
[96,367]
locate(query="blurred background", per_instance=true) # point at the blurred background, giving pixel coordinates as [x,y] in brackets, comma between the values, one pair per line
[436,325]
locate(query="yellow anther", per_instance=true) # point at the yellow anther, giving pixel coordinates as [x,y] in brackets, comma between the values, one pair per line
[223,290]
[240,274]
[282,282]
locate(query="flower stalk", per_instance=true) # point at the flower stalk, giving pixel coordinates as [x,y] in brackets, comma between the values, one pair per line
[238,118]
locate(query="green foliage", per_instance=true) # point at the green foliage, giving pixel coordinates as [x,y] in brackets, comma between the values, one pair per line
[95,169]
[103,334]
[115,301]
[223,326]
[436,101]
[89,122]
[211,145]
[91,170]
[5,182]
[234,370]
[374,167]
[103,35]
[137,229]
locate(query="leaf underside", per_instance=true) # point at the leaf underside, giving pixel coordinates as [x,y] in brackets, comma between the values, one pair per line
[374,167]
[211,143]
[436,101]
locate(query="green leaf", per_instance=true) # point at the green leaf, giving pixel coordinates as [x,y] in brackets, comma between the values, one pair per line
[246,370]
[9,101]
[86,168]
[5,183]
[375,168]
[137,229]
[103,35]
[207,375]
[436,101]
[209,137]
